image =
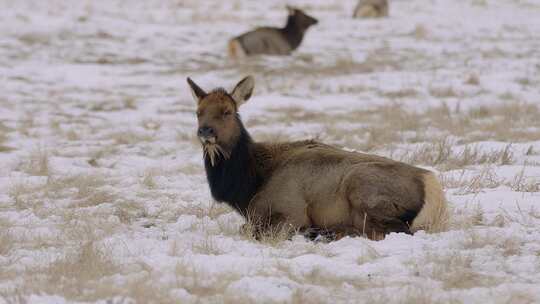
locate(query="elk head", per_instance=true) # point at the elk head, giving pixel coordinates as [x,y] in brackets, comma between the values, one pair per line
[301,19]
[219,125]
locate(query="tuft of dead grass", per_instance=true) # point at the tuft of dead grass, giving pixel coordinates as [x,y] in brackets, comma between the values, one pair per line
[149,178]
[74,273]
[466,218]
[420,32]
[206,246]
[472,79]
[441,153]
[381,127]
[455,271]
[485,179]
[200,284]
[4,137]
[151,124]
[88,262]
[368,254]
[84,190]
[127,210]
[6,242]
[402,93]
[37,163]
[477,239]
[525,217]
[271,234]
[522,183]
[15,297]
[130,137]
[26,124]
[443,92]
[85,184]
[21,194]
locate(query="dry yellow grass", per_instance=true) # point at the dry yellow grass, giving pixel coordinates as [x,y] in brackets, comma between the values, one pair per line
[455,271]
[4,131]
[89,266]
[522,183]
[485,179]
[37,163]
[6,241]
[149,178]
[74,273]
[387,125]
[256,230]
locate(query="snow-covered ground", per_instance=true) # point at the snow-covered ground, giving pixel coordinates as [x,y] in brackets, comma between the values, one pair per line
[102,191]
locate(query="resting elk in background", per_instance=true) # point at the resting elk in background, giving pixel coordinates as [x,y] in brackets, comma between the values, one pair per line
[307,185]
[272,40]
[371,9]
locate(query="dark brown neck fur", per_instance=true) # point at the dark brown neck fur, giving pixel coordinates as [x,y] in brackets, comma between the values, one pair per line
[237,179]
[294,31]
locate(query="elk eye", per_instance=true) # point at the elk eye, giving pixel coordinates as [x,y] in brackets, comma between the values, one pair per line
[199,113]
[227,113]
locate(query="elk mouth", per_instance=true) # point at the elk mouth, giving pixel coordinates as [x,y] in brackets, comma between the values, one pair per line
[208,140]
[212,150]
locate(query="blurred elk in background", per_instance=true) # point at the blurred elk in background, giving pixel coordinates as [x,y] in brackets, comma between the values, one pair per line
[371,9]
[273,40]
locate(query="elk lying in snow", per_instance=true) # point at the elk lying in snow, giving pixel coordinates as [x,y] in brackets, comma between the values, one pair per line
[307,185]
[371,9]
[272,40]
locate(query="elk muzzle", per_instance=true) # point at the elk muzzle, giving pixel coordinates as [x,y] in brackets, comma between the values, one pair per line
[207,135]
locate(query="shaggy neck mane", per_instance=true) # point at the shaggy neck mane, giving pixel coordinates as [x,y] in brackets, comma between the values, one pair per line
[294,31]
[234,180]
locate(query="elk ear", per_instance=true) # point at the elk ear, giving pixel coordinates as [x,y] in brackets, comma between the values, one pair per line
[243,90]
[290,9]
[196,91]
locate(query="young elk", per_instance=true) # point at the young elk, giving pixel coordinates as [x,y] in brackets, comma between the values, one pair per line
[272,40]
[371,9]
[307,185]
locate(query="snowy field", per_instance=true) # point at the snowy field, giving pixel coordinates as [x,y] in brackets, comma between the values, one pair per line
[103,196]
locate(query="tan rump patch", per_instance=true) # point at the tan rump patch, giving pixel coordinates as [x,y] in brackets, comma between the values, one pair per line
[235,49]
[367,11]
[434,214]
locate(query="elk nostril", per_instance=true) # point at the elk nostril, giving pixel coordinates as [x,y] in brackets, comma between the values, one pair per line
[206,132]
[200,132]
